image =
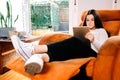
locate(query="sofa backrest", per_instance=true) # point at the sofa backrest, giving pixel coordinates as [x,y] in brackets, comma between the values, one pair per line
[110,20]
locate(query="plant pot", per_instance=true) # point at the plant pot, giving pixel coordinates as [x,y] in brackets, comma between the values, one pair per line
[4,32]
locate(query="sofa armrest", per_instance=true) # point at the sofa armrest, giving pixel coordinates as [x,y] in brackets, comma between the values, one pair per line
[53,37]
[108,60]
[119,33]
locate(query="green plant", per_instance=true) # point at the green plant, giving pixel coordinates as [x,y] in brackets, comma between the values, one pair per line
[7,20]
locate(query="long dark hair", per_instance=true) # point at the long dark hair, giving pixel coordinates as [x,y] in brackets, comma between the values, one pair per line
[98,23]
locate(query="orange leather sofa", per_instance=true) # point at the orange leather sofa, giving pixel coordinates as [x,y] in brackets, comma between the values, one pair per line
[105,67]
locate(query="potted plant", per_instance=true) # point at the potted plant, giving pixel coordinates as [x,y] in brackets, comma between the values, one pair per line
[6,21]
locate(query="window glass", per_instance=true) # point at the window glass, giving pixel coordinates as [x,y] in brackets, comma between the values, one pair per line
[49,16]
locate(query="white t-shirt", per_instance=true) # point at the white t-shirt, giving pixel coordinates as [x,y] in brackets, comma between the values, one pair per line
[100,36]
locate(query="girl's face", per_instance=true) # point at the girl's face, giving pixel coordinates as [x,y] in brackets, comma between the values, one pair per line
[90,21]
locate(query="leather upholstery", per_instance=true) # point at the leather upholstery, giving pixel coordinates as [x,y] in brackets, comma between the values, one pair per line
[107,64]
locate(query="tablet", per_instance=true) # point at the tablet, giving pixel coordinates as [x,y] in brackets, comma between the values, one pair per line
[80,32]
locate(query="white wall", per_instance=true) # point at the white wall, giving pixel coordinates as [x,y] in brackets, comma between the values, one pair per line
[116,4]
[94,4]
[73,15]
[81,5]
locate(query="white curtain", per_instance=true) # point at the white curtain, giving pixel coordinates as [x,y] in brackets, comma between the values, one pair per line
[26,16]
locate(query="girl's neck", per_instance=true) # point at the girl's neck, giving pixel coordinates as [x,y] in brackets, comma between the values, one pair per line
[93,28]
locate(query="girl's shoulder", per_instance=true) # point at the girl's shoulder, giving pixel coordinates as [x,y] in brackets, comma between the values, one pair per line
[102,30]
[99,30]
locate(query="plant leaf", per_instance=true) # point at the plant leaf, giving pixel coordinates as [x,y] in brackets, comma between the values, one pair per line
[3,20]
[16,18]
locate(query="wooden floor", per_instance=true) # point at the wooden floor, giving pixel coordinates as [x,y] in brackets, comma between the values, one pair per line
[12,75]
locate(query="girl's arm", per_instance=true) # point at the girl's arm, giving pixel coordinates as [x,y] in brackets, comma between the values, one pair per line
[100,38]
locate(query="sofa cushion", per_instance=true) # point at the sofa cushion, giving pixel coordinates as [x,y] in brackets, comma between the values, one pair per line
[57,70]
[54,37]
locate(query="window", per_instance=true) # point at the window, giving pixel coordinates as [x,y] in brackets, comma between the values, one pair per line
[49,16]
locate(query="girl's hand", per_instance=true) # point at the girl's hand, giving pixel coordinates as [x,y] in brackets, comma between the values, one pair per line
[89,36]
